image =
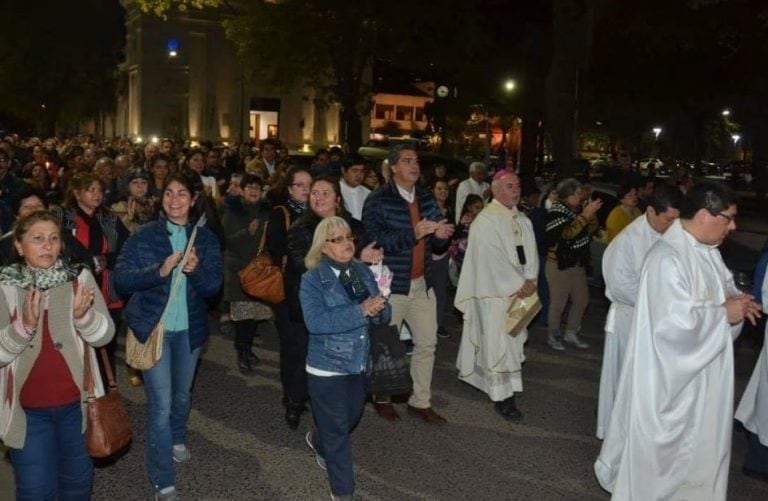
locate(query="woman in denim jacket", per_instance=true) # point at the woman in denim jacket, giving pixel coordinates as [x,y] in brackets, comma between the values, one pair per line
[339,297]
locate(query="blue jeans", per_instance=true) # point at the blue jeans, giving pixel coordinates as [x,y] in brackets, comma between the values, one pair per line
[337,405]
[168,386]
[54,463]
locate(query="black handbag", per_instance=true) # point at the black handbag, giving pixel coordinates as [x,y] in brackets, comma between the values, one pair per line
[388,372]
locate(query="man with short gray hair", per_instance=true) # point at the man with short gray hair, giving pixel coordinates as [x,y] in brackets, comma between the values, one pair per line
[475,184]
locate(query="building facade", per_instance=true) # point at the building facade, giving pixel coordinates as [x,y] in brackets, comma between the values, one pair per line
[182,79]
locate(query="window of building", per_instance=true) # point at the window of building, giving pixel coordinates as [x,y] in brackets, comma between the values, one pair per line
[385,111]
[404,113]
[420,114]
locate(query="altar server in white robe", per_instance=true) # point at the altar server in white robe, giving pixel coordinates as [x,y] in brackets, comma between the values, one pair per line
[669,436]
[622,262]
[501,261]
[752,411]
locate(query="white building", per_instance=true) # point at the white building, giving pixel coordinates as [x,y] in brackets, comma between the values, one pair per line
[182,79]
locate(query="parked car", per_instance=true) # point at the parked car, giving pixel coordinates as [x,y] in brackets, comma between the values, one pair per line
[669,168]
[643,165]
[709,169]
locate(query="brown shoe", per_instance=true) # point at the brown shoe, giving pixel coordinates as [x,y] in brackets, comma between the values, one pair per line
[387,411]
[428,415]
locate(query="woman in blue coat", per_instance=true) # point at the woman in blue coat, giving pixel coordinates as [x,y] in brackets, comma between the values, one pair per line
[339,298]
[148,263]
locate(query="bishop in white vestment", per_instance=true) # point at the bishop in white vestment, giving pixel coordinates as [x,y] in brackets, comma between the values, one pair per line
[669,436]
[501,261]
[622,262]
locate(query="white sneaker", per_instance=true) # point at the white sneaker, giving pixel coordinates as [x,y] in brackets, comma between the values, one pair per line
[167,494]
[555,344]
[573,338]
[181,453]
[320,459]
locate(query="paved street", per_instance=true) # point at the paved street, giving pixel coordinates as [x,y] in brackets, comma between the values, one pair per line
[242,450]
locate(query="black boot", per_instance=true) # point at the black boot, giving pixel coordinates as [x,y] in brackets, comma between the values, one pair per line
[507,409]
[293,413]
[252,357]
[244,361]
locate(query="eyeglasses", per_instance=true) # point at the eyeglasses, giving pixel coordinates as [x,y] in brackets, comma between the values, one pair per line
[728,217]
[341,240]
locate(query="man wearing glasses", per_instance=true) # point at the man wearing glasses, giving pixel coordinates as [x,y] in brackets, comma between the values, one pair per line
[404,220]
[669,435]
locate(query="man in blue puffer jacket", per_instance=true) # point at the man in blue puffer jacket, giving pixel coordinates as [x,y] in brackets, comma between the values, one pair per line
[404,220]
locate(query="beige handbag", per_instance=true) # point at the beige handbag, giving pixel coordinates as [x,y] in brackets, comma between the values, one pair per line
[521,312]
[144,356]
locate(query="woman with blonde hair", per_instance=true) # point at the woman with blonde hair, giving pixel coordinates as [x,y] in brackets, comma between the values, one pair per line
[339,298]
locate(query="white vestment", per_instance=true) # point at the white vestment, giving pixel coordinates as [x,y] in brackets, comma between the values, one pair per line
[622,263]
[489,358]
[354,198]
[469,187]
[753,408]
[669,436]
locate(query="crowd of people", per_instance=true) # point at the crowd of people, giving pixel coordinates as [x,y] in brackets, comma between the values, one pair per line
[97,241]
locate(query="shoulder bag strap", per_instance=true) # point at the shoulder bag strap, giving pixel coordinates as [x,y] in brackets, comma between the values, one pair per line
[88,373]
[263,239]
[287,227]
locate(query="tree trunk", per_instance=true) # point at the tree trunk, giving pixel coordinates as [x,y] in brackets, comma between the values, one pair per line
[530,137]
[572,40]
[351,126]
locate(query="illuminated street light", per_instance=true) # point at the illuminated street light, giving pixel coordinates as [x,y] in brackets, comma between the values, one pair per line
[509,85]
[155,139]
[726,112]
[656,132]
[735,138]
[139,139]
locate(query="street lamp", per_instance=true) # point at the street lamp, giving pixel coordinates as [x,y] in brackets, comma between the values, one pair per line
[656,132]
[509,85]
[726,112]
[735,138]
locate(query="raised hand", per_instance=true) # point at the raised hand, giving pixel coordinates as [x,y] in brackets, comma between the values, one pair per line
[82,301]
[424,227]
[444,229]
[591,208]
[31,309]
[192,261]
[170,263]
[370,254]
[373,306]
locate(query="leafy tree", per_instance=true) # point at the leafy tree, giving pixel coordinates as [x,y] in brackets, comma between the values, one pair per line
[58,60]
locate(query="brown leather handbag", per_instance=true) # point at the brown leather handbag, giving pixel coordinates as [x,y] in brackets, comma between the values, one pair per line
[261,278]
[108,429]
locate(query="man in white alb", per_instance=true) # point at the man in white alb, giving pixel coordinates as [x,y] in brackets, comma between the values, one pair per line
[501,261]
[622,262]
[669,436]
